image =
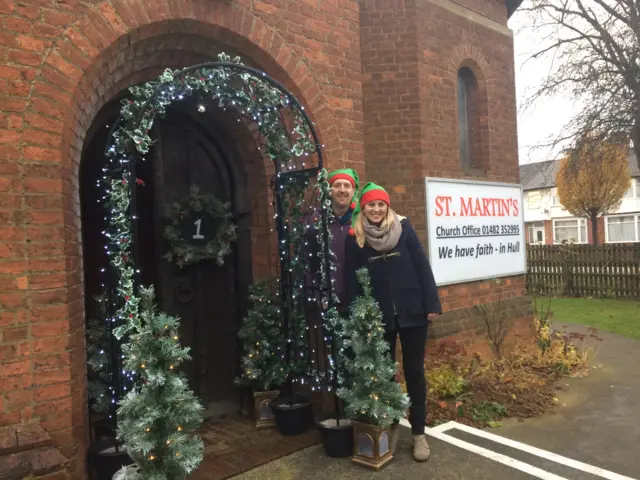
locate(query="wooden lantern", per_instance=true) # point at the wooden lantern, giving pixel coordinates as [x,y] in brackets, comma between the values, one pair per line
[371,445]
[262,408]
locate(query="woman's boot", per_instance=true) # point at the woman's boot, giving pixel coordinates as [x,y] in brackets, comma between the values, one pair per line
[421,450]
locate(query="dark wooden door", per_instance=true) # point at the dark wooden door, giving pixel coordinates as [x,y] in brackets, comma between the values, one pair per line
[202,295]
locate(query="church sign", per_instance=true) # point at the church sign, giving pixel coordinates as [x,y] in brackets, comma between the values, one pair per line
[475,230]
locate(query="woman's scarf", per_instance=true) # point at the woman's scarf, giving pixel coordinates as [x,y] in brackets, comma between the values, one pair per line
[382,239]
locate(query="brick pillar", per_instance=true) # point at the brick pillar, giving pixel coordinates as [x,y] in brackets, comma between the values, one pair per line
[412,52]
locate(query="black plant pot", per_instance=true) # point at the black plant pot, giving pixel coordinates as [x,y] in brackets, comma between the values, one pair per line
[292,418]
[103,429]
[105,460]
[337,437]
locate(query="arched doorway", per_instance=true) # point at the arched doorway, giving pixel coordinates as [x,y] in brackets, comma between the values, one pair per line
[210,149]
[81,86]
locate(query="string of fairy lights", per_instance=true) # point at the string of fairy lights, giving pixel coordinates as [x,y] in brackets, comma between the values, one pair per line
[253,99]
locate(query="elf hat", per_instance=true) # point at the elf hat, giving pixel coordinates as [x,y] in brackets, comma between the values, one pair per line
[351,176]
[369,193]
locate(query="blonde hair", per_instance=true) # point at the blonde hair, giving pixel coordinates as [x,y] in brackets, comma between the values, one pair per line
[358,226]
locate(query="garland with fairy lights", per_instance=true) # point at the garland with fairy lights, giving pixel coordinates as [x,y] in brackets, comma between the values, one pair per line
[331,324]
[208,223]
[98,358]
[168,447]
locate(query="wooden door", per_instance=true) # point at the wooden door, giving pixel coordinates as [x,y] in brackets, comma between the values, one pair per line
[202,295]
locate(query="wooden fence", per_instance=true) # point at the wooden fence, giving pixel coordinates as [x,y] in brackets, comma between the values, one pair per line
[611,271]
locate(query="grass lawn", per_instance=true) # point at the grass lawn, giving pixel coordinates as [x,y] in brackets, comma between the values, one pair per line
[618,316]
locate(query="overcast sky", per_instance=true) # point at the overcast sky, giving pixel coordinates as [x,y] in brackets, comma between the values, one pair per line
[547,116]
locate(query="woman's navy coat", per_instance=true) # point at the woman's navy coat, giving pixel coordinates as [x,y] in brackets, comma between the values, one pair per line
[402,280]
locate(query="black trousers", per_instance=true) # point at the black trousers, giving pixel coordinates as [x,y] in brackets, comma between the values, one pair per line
[412,341]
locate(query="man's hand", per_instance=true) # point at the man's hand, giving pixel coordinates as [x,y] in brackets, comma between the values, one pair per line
[432,316]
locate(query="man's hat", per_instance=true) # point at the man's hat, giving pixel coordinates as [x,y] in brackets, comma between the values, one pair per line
[350,175]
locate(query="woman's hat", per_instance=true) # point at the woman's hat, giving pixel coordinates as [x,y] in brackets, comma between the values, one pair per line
[369,193]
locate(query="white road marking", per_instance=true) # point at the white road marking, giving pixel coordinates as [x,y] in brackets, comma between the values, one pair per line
[440,428]
[496,457]
[440,433]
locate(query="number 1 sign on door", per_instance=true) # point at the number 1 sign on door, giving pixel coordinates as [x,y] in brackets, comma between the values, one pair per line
[198,224]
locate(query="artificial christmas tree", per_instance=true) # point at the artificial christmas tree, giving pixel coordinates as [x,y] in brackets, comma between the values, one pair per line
[158,419]
[263,366]
[372,398]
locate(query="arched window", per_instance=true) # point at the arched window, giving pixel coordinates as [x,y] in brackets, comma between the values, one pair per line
[467,118]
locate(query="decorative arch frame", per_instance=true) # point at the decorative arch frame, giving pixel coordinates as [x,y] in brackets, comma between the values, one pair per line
[260,99]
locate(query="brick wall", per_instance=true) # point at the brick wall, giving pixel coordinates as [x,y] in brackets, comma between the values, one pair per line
[61,62]
[411,53]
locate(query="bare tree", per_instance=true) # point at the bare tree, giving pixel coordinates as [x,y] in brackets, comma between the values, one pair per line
[497,321]
[593,47]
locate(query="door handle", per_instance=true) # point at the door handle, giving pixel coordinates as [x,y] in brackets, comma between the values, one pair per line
[184,290]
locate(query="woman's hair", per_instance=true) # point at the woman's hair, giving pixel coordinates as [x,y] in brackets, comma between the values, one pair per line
[358,225]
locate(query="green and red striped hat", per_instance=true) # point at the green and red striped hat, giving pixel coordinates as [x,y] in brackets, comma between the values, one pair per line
[350,175]
[369,193]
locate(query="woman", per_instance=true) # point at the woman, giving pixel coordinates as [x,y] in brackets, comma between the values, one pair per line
[404,287]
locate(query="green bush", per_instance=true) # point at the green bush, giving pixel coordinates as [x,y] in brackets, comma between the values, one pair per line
[487,412]
[444,382]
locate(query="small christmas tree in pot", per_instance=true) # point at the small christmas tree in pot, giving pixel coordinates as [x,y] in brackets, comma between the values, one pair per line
[157,420]
[372,398]
[263,366]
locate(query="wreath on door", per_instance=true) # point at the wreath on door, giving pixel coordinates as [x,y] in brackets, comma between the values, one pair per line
[200,227]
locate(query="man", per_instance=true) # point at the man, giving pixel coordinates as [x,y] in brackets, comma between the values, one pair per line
[344,187]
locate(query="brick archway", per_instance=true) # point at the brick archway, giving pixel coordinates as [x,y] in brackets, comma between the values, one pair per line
[113,46]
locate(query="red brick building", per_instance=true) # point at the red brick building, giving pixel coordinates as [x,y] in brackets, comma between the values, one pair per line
[399,89]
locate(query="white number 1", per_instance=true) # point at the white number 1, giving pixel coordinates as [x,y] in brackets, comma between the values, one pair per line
[197,236]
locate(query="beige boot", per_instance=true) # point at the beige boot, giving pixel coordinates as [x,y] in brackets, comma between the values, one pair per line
[394,437]
[421,450]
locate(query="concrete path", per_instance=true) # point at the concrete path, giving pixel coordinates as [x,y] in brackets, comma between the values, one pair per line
[598,417]
[447,463]
[595,429]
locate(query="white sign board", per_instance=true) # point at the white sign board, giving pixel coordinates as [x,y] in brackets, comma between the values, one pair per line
[475,230]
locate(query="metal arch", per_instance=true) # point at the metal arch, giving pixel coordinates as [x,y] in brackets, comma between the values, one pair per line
[295,104]
[241,68]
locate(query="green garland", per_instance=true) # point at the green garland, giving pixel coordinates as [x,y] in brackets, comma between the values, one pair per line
[217,248]
[98,358]
[329,299]
[255,99]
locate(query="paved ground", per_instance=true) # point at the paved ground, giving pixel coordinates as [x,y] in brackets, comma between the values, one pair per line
[233,446]
[597,422]
[447,463]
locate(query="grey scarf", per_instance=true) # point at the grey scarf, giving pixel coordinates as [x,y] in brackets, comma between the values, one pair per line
[382,240]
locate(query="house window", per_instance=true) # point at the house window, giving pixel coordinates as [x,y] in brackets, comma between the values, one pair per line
[555,199]
[534,199]
[637,187]
[623,229]
[572,230]
[629,192]
[535,233]
[467,97]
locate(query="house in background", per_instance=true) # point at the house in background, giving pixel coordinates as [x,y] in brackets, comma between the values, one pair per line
[548,222]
